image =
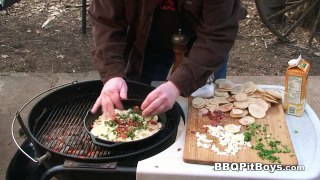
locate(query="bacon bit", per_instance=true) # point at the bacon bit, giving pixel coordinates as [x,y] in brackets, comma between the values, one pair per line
[132,123]
[136,109]
[121,126]
[213,123]
[214,117]
[121,129]
[118,121]
[193,132]
[123,135]
[153,122]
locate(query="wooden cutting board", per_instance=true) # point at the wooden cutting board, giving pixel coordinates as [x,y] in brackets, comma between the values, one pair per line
[277,127]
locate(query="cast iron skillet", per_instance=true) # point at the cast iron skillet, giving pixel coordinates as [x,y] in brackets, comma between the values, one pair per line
[91,117]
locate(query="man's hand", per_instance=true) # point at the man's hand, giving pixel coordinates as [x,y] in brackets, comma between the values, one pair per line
[161,99]
[111,93]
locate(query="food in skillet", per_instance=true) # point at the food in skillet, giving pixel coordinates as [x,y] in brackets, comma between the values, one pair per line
[128,125]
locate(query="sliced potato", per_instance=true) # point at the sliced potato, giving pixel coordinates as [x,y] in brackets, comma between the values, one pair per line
[227,84]
[223,90]
[237,111]
[244,113]
[202,111]
[246,120]
[260,102]
[241,104]
[221,94]
[232,128]
[251,100]
[269,98]
[241,97]
[234,115]
[198,102]
[225,107]
[238,89]
[275,94]
[256,111]
[262,91]
[219,100]
[219,80]
[231,99]
[249,87]
[211,106]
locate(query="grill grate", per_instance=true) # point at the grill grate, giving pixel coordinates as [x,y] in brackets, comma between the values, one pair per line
[62,130]
[56,126]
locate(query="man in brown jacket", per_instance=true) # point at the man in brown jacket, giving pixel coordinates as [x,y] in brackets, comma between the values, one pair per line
[132,40]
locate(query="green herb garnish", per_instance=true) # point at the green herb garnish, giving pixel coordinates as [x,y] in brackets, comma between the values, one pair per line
[253,128]
[135,118]
[268,155]
[264,129]
[122,116]
[130,134]
[266,148]
[111,123]
[247,136]
[273,144]
[286,149]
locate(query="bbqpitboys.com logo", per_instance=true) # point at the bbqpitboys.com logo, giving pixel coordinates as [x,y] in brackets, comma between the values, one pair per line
[255,167]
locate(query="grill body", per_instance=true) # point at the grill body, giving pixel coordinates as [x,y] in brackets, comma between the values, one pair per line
[23,168]
[55,127]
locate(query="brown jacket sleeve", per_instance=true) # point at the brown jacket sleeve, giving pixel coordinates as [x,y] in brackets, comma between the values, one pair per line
[109,29]
[216,34]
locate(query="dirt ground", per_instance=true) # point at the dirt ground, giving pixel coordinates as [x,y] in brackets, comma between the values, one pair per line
[29,43]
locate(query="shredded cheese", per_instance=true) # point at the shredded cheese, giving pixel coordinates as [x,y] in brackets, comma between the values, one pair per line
[233,142]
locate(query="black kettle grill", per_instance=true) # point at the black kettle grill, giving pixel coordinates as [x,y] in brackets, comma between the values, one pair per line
[58,145]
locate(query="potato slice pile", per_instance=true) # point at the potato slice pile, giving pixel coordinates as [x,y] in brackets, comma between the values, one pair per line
[244,101]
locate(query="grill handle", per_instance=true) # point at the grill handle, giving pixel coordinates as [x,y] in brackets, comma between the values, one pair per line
[25,129]
[125,172]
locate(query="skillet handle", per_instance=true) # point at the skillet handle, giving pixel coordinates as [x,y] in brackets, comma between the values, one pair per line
[26,130]
[88,119]
[109,145]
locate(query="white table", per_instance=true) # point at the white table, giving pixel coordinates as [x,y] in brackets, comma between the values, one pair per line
[305,136]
